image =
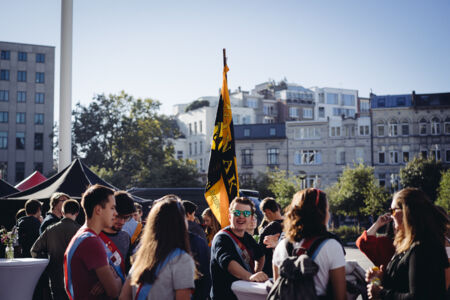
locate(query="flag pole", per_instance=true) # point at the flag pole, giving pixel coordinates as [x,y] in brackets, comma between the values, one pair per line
[224,57]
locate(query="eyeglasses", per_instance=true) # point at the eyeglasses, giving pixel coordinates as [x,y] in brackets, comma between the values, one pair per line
[245,213]
[392,210]
[126,218]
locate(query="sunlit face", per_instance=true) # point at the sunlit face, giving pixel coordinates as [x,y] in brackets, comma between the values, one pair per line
[269,214]
[252,224]
[108,213]
[61,201]
[119,221]
[137,215]
[397,215]
[240,223]
[207,220]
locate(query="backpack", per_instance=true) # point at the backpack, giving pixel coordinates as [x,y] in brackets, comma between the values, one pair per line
[296,280]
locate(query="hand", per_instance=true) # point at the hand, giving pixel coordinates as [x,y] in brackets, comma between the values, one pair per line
[373,290]
[258,277]
[97,289]
[383,220]
[271,241]
[371,273]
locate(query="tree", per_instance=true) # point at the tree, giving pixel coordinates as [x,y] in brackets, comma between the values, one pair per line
[128,143]
[356,193]
[283,185]
[424,174]
[444,191]
[260,183]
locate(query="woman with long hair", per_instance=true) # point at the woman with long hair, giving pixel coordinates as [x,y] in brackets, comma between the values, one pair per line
[417,270]
[162,267]
[212,225]
[305,222]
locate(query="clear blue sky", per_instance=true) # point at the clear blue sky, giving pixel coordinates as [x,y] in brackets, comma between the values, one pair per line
[172,50]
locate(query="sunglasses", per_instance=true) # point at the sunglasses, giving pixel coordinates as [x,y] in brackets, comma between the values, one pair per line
[125,218]
[392,210]
[245,213]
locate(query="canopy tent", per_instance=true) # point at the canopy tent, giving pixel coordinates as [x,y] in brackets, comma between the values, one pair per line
[34,179]
[73,181]
[6,189]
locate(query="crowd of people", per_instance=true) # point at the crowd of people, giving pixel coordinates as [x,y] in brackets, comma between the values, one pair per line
[170,254]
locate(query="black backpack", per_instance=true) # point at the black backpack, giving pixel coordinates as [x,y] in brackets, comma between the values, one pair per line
[296,280]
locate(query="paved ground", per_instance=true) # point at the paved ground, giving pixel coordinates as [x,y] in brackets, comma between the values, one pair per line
[355,254]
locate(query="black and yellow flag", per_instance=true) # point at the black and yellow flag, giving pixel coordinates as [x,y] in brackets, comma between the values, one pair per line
[223,184]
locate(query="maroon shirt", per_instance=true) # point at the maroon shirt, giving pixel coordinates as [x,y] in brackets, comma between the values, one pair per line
[89,255]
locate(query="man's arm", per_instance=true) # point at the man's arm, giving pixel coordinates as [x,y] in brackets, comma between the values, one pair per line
[260,264]
[110,281]
[39,248]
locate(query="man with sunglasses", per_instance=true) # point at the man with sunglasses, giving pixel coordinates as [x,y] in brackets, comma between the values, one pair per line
[235,255]
[117,241]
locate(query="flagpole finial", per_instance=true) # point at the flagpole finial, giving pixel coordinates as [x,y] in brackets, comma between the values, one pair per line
[224,57]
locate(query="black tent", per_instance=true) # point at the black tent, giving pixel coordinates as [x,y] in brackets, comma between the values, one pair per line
[73,181]
[6,189]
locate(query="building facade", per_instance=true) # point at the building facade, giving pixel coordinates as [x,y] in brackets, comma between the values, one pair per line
[26,109]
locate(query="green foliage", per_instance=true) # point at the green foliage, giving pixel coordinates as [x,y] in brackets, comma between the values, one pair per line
[356,193]
[260,184]
[424,174]
[127,142]
[348,234]
[444,191]
[197,104]
[283,185]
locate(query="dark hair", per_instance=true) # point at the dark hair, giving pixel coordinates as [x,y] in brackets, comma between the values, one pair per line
[164,231]
[270,204]
[71,207]
[20,213]
[137,206]
[244,201]
[305,216]
[124,203]
[189,206]
[93,196]
[32,206]
[55,199]
[422,221]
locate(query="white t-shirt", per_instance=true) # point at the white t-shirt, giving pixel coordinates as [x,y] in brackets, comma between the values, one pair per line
[330,257]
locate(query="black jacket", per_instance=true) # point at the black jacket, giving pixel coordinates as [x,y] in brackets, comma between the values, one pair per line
[28,231]
[50,219]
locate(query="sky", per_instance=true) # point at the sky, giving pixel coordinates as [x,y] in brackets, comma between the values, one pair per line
[171,51]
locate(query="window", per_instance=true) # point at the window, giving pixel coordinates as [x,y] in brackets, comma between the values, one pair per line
[359,155]
[272,131]
[321,112]
[364,106]
[307,113]
[393,128]
[22,76]
[381,102]
[268,110]
[40,77]
[22,56]
[307,157]
[179,154]
[4,170]
[190,149]
[39,119]
[380,129]
[401,101]
[4,116]
[195,148]
[272,156]
[364,130]
[190,129]
[332,98]
[20,171]
[4,95]
[39,98]
[247,157]
[3,140]
[405,127]
[349,130]
[21,96]
[195,127]
[40,57]
[340,156]
[348,100]
[423,127]
[335,131]
[393,155]
[38,166]
[201,164]
[247,132]
[308,132]
[4,74]
[447,155]
[200,125]
[435,126]
[293,112]
[382,179]
[20,140]
[381,159]
[405,157]
[38,141]
[201,147]
[246,178]
[424,153]
[252,103]
[5,55]
[436,154]
[447,126]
